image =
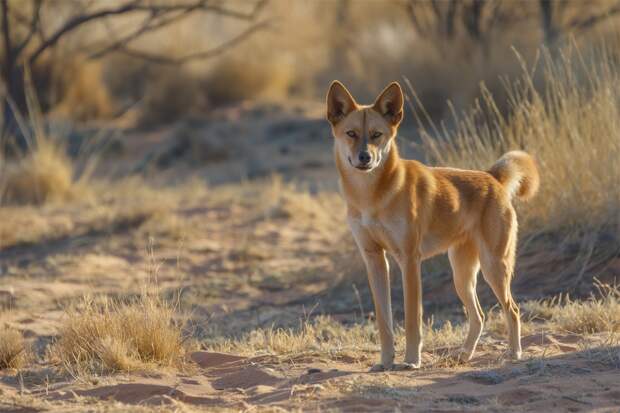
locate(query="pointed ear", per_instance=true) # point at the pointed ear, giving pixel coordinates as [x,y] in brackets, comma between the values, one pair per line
[339,102]
[390,104]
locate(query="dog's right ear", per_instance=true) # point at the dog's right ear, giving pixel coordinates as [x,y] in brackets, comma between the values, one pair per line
[339,102]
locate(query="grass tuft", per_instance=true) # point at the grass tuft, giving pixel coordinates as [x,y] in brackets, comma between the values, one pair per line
[107,336]
[13,349]
[45,174]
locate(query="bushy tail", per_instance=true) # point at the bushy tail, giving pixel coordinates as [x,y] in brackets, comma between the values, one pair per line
[517,172]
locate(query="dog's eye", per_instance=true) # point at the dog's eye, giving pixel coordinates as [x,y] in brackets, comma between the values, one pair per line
[351,134]
[376,135]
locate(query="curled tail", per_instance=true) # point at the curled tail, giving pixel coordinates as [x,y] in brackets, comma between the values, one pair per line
[517,172]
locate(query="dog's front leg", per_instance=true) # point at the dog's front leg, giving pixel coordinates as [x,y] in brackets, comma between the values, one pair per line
[412,289]
[379,280]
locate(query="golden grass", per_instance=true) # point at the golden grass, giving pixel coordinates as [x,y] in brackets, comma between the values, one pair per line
[124,204]
[13,348]
[45,174]
[85,95]
[250,75]
[325,337]
[322,211]
[109,336]
[599,313]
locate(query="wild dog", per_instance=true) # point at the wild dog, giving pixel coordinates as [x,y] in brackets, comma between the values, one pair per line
[414,212]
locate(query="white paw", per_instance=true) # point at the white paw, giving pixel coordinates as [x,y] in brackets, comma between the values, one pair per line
[406,366]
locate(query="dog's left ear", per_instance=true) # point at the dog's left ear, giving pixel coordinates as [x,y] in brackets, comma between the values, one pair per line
[390,103]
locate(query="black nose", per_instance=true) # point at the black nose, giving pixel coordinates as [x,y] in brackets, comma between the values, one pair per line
[364,157]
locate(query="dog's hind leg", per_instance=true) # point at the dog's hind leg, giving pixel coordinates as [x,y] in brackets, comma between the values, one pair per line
[465,265]
[497,260]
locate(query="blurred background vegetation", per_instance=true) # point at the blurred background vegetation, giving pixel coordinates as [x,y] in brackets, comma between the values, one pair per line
[151,62]
[232,91]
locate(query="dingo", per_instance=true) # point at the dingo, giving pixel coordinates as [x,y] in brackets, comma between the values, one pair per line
[413,212]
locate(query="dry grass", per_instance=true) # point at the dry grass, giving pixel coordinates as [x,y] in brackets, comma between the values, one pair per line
[322,211]
[85,95]
[177,93]
[325,337]
[13,348]
[598,314]
[45,174]
[123,204]
[108,336]
[248,75]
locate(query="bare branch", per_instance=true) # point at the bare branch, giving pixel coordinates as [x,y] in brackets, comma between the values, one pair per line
[207,54]
[134,6]
[584,24]
[153,23]
[77,21]
[33,26]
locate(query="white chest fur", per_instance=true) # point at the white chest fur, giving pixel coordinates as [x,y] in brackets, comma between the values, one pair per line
[390,234]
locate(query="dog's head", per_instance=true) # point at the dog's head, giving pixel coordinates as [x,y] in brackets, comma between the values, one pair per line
[363,134]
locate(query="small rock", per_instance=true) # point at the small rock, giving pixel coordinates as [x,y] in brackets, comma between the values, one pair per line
[314,370]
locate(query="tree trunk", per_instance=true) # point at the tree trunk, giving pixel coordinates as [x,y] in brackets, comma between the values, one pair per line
[11,137]
[546,13]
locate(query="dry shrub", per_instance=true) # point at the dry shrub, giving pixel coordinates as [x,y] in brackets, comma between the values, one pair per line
[85,95]
[108,336]
[249,75]
[44,174]
[598,314]
[13,349]
[173,92]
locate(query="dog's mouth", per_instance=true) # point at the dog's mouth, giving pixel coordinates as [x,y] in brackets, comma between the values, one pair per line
[367,167]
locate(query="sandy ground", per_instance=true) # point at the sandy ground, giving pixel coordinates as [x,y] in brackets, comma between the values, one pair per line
[254,255]
[554,376]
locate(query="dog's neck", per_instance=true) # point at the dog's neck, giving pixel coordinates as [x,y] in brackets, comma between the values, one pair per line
[364,190]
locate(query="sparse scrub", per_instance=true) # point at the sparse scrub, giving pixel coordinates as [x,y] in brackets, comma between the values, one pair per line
[172,93]
[599,313]
[13,348]
[109,336]
[247,76]
[325,337]
[86,96]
